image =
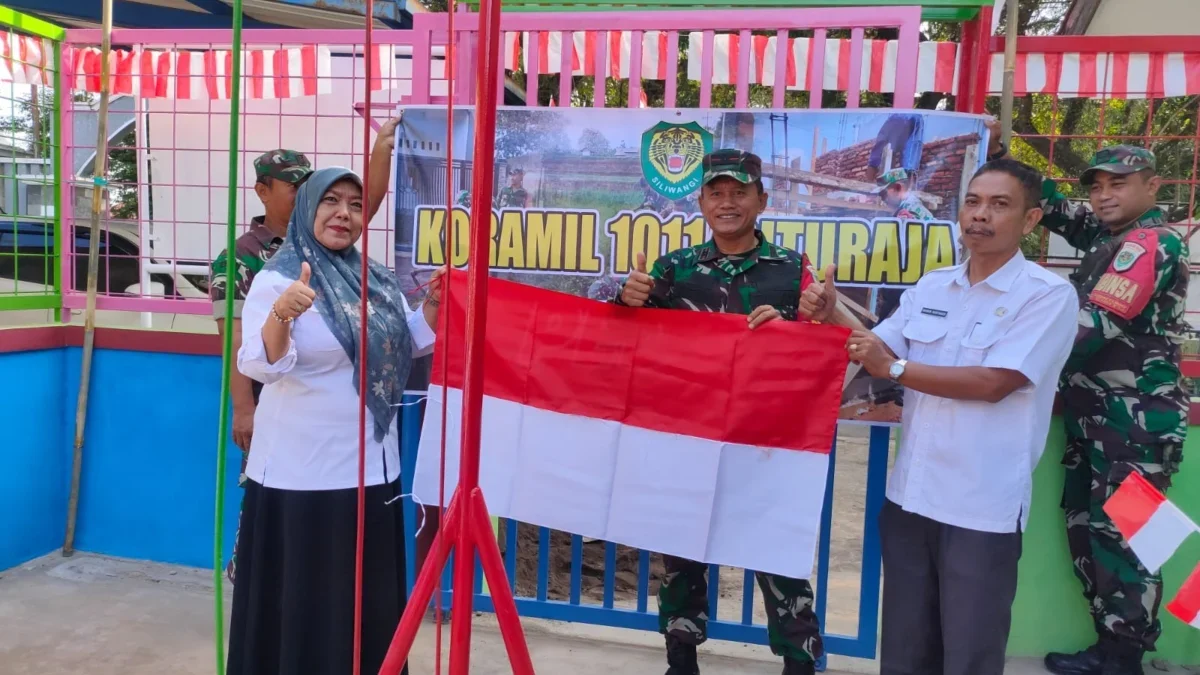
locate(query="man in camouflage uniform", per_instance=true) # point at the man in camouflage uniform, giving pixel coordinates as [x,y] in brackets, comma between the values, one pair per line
[279,173]
[1123,400]
[514,196]
[895,187]
[736,272]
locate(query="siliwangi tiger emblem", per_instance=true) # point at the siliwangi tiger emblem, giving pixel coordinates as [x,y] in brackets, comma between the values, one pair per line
[672,157]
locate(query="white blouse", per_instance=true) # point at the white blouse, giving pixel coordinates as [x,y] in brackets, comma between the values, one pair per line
[306,424]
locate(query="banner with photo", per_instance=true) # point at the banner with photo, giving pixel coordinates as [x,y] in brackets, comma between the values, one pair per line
[579,192]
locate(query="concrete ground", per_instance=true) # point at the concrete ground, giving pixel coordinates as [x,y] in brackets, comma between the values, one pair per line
[105,616]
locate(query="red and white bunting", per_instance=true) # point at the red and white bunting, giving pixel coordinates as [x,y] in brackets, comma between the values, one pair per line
[1070,75]
[1091,75]
[937,62]
[26,60]
[208,75]
[304,71]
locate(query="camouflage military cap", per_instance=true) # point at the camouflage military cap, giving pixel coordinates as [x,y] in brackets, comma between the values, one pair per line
[744,167]
[285,165]
[891,178]
[1121,160]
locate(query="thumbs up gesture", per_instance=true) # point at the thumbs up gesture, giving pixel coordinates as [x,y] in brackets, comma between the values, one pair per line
[637,287]
[298,297]
[818,301]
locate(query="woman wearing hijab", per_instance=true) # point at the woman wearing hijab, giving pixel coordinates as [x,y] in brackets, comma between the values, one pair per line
[293,605]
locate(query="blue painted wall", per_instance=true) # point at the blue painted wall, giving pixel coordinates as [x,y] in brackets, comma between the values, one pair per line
[148,485]
[35,461]
[149,481]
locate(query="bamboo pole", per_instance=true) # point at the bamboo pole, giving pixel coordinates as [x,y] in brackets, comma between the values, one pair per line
[99,191]
[1010,71]
[235,108]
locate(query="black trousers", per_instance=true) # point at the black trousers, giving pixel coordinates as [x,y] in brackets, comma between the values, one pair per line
[293,603]
[947,596]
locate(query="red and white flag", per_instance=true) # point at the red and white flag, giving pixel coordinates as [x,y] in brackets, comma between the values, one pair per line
[1153,526]
[1186,604]
[679,432]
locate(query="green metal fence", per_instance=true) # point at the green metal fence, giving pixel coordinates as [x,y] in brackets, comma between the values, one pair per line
[31,171]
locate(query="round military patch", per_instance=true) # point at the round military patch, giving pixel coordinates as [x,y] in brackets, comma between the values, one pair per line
[1127,256]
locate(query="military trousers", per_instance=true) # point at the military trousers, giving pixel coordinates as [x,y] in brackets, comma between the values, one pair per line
[792,628]
[1123,596]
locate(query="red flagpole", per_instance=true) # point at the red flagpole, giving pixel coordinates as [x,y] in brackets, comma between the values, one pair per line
[467,526]
[363,385]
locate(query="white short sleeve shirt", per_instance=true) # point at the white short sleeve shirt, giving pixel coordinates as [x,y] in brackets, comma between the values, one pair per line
[306,423]
[970,463]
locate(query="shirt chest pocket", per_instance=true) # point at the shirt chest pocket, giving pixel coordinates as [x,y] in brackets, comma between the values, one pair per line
[979,341]
[781,293]
[924,337]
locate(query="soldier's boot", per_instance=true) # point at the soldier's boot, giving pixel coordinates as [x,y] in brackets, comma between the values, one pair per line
[794,667]
[1123,661]
[681,657]
[1086,662]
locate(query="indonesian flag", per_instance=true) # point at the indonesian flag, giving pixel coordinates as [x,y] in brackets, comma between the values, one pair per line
[1153,526]
[674,431]
[1186,604]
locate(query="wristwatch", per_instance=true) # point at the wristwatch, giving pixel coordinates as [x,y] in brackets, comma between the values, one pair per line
[896,371]
[999,153]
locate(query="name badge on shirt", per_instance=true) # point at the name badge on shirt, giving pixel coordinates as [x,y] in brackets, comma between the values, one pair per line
[929,311]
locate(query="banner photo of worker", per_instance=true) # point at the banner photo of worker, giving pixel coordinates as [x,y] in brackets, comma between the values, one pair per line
[579,193]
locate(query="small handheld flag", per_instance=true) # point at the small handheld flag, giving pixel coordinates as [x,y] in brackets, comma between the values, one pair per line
[1153,526]
[1186,604]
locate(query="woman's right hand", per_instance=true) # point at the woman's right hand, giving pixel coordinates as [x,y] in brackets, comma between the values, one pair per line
[298,297]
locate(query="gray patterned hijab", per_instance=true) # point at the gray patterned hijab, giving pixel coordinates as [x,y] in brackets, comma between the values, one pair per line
[337,281]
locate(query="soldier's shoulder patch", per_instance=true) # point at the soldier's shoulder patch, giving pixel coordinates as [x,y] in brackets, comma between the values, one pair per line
[1128,285]
[1128,255]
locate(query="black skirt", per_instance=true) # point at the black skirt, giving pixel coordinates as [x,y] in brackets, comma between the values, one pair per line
[293,603]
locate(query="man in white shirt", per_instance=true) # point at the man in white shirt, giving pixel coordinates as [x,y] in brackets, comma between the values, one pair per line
[978,348]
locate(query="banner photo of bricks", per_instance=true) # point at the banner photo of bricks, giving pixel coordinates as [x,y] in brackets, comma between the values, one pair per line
[580,192]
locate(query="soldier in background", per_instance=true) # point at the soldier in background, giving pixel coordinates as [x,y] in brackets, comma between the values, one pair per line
[735,272]
[277,175]
[1123,399]
[896,189]
[514,196]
